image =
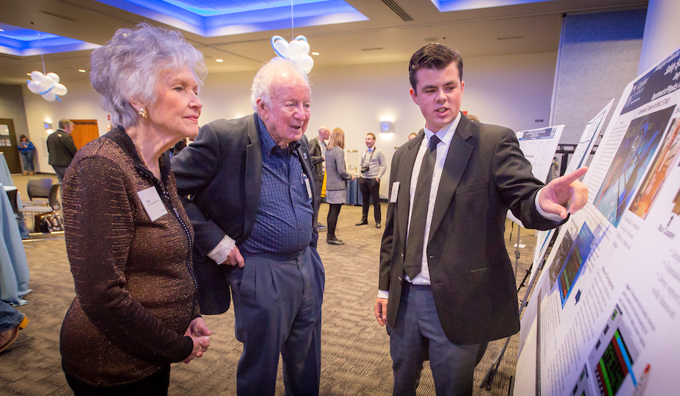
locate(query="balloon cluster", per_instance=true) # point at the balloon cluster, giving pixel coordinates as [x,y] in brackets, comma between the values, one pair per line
[297,51]
[46,86]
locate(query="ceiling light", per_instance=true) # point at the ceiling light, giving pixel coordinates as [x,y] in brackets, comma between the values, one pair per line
[28,74]
[219,60]
[315,53]
[82,71]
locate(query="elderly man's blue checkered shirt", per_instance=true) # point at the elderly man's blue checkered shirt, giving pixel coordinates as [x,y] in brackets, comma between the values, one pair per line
[283,223]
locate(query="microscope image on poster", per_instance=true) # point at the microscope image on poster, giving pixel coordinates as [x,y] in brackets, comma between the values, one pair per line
[630,164]
[560,257]
[570,259]
[652,183]
[612,359]
[575,262]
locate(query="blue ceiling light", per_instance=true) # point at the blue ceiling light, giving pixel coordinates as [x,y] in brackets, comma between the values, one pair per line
[460,5]
[210,18]
[26,42]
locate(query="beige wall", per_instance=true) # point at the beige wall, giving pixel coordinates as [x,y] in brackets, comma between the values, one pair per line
[513,91]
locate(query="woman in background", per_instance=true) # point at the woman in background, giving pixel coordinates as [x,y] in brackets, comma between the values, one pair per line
[128,238]
[336,185]
[27,150]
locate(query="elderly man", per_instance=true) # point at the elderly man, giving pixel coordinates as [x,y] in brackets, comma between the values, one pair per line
[447,286]
[248,180]
[317,149]
[61,148]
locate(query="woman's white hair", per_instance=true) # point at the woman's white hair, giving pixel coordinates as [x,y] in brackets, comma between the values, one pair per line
[129,66]
[262,82]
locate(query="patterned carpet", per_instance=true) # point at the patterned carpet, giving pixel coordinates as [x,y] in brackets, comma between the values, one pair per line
[355,351]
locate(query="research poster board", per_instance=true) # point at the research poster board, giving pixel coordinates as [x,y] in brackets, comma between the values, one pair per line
[539,146]
[605,314]
[578,160]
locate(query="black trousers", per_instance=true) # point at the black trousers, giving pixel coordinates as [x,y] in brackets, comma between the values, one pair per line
[332,219]
[370,189]
[318,185]
[154,385]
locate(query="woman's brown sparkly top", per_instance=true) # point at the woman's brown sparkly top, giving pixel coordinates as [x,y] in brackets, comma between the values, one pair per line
[134,281]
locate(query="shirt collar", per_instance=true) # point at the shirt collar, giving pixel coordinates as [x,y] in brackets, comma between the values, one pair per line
[445,134]
[269,146]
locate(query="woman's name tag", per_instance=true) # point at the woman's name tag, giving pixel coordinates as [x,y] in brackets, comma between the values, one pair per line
[152,203]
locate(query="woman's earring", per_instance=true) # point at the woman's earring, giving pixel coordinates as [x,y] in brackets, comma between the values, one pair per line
[143,113]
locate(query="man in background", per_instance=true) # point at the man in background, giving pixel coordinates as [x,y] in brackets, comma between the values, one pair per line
[317,149]
[373,166]
[61,148]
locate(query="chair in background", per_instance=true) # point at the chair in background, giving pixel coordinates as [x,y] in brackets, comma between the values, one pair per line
[52,208]
[38,191]
[12,195]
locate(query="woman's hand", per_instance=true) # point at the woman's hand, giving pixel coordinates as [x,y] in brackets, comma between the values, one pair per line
[199,334]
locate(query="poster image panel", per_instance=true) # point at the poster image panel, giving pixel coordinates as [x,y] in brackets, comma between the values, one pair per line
[575,262]
[583,386]
[630,163]
[612,358]
[651,184]
[560,257]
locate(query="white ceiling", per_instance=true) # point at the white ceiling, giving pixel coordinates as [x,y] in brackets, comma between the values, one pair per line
[385,37]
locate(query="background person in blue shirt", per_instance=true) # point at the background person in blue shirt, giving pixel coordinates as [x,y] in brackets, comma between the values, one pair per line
[27,151]
[251,186]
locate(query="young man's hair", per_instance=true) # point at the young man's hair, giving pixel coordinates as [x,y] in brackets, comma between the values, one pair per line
[433,56]
[370,134]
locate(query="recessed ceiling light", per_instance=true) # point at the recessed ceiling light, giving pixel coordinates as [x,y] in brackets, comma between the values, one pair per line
[315,53]
[219,60]
[82,71]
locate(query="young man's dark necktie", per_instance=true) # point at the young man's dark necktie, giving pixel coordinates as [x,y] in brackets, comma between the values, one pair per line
[416,233]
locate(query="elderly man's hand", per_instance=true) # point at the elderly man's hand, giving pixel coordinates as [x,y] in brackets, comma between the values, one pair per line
[563,190]
[234,258]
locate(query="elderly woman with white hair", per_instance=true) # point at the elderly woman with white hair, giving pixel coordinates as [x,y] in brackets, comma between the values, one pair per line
[128,238]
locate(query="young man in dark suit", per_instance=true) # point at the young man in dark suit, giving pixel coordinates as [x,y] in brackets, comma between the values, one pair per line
[447,286]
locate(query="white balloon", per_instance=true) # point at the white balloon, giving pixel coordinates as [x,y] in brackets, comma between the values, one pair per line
[306,63]
[295,50]
[280,46]
[33,86]
[304,45]
[60,90]
[46,85]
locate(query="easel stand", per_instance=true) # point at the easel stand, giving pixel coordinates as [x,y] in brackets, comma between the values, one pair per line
[488,378]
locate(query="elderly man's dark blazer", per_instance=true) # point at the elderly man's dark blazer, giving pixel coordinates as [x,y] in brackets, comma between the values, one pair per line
[221,173]
[471,275]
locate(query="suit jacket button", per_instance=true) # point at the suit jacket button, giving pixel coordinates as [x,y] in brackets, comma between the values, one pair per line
[399,279]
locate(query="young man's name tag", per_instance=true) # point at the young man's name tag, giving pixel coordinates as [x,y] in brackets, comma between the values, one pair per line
[152,203]
[395,192]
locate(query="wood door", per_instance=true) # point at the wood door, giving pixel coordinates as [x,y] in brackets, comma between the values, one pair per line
[8,145]
[84,132]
